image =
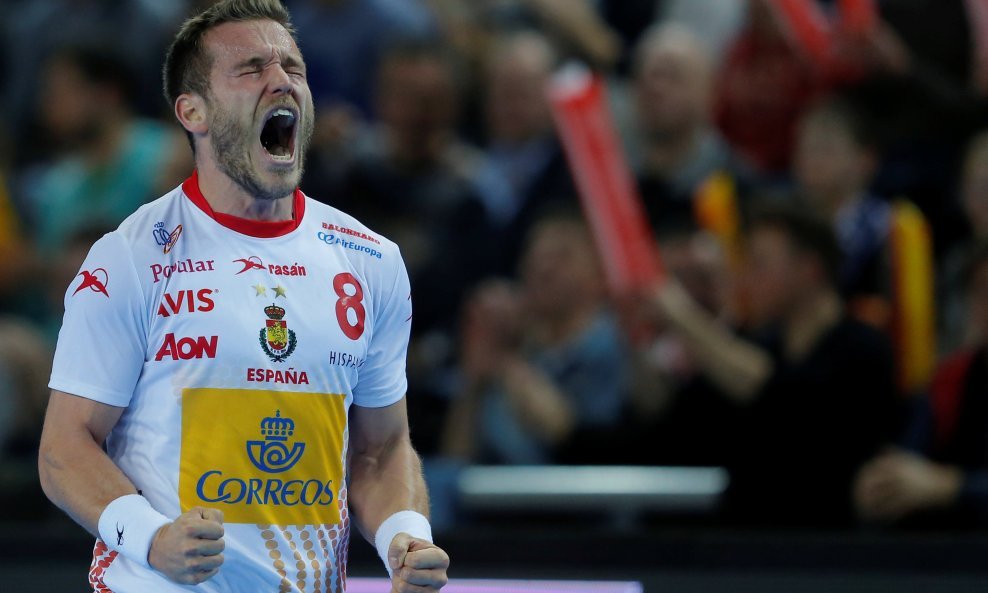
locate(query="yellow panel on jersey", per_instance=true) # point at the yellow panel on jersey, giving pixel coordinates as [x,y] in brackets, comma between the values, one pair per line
[271,457]
[913,301]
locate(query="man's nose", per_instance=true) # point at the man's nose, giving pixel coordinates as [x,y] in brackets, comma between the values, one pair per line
[279,81]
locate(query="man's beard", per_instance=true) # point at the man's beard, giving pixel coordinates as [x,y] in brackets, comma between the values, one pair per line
[231,145]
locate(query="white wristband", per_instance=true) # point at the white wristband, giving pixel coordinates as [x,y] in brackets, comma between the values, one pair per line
[128,524]
[410,522]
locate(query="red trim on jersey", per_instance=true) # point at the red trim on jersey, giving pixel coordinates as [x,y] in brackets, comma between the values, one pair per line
[263,229]
[102,559]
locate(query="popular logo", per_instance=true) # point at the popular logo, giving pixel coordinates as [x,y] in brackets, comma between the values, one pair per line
[180,267]
[165,239]
[277,341]
[186,301]
[250,263]
[272,455]
[95,281]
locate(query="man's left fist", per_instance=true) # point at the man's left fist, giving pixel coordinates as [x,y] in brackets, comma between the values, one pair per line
[417,566]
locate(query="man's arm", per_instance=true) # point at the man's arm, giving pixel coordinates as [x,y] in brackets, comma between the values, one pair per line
[386,478]
[71,456]
[81,479]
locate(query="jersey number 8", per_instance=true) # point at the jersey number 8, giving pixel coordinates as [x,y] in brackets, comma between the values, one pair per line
[349,302]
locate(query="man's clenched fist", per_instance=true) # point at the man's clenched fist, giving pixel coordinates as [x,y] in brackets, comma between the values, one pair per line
[417,566]
[190,549]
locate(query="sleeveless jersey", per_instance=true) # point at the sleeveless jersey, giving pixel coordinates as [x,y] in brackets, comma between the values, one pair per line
[236,348]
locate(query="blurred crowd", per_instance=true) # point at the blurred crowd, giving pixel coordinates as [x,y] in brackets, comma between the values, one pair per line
[820,209]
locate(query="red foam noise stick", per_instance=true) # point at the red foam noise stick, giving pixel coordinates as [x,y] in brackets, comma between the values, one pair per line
[807,27]
[608,193]
[858,17]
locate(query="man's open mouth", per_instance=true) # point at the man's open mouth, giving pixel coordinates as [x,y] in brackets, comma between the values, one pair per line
[278,133]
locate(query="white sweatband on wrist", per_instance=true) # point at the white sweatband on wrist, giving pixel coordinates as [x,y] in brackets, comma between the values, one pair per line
[128,524]
[410,522]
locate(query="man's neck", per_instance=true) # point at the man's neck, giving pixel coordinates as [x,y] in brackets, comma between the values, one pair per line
[809,321]
[225,196]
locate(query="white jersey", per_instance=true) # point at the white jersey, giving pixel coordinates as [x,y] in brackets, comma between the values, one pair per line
[236,348]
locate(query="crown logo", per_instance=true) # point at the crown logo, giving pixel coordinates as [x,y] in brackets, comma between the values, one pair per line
[277,428]
[273,455]
[274,311]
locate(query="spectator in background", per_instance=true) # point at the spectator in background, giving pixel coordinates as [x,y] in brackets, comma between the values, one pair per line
[816,394]
[682,152]
[25,365]
[942,480]
[411,179]
[834,161]
[112,160]
[343,40]
[137,30]
[674,415]
[764,85]
[957,331]
[541,359]
[521,140]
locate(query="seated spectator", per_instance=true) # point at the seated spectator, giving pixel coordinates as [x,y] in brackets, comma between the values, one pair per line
[957,331]
[764,85]
[25,365]
[886,276]
[112,161]
[674,415]
[685,165]
[538,360]
[342,41]
[834,161]
[815,393]
[411,179]
[521,141]
[942,480]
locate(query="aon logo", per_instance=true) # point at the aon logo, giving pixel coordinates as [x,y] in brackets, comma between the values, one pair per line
[187,348]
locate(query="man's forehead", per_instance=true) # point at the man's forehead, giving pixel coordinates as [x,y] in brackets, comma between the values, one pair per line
[237,41]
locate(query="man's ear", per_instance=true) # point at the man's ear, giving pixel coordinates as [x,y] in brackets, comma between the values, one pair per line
[190,109]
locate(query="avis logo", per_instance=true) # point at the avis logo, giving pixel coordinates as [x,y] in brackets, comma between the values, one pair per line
[272,455]
[187,348]
[186,300]
[164,238]
[95,281]
[277,341]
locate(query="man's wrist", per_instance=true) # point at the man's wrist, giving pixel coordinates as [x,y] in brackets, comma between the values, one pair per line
[413,523]
[128,526]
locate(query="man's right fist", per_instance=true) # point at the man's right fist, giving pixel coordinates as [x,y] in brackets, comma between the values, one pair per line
[190,549]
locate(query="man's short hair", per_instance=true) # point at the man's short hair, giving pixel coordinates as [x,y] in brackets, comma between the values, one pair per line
[187,62]
[807,232]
